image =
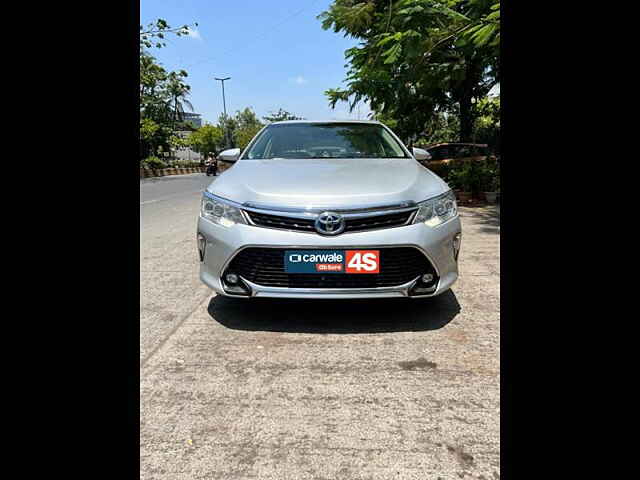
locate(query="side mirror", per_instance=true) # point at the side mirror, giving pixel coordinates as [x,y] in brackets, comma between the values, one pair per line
[230,155]
[421,155]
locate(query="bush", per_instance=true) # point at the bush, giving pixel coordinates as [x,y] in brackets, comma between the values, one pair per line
[457,180]
[466,176]
[490,175]
[472,175]
[153,163]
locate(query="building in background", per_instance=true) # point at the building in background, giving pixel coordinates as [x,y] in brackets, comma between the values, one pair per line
[194,119]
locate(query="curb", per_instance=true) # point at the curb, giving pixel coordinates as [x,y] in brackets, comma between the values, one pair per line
[150,173]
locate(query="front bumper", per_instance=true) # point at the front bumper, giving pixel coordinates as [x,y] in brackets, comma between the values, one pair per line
[223,243]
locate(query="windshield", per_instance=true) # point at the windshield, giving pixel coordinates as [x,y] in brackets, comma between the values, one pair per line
[325,140]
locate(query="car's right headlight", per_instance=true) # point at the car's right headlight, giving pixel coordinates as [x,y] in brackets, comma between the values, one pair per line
[437,210]
[220,212]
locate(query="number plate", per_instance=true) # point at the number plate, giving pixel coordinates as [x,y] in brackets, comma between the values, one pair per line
[332,261]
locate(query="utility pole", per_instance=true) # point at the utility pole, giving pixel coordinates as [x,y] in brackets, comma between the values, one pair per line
[224,105]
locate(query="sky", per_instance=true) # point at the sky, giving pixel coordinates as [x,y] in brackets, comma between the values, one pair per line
[276,53]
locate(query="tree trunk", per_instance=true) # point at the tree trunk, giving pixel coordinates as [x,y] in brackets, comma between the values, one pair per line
[466,119]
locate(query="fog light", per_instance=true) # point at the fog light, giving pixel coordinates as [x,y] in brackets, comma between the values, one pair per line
[425,285]
[427,277]
[233,283]
[202,244]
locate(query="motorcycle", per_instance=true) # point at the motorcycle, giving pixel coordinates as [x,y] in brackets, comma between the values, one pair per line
[212,169]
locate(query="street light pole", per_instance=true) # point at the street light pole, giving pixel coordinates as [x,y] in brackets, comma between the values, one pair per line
[224,105]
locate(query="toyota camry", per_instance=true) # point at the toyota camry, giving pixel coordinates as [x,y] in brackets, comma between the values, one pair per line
[338,209]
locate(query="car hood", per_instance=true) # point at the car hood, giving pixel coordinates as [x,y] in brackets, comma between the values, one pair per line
[327,182]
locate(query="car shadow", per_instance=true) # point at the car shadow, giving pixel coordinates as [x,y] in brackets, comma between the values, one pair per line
[335,316]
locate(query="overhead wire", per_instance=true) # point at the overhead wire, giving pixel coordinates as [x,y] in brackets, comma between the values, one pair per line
[252,41]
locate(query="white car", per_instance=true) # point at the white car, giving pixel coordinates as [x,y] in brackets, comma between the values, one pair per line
[328,210]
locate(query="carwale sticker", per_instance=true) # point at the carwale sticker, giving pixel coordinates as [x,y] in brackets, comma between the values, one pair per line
[332,261]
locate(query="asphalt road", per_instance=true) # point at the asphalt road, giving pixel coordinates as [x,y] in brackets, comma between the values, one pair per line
[313,389]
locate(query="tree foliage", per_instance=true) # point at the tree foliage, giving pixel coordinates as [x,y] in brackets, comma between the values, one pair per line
[153,34]
[229,125]
[163,95]
[280,116]
[207,140]
[417,58]
[487,125]
[241,128]
[177,91]
[443,127]
[248,126]
[154,137]
[486,30]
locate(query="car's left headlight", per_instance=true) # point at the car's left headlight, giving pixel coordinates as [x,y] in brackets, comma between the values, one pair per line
[220,212]
[437,210]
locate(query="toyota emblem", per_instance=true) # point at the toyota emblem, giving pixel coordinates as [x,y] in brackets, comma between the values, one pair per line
[329,223]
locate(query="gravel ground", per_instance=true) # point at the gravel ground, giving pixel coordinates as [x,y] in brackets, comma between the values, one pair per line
[314,389]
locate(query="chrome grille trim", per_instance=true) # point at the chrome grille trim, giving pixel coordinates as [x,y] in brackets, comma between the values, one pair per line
[287,220]
[311,215]
[274,210]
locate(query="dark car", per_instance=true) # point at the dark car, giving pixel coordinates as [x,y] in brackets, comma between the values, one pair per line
[443,153]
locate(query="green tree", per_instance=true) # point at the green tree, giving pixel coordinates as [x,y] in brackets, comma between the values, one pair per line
[155,111]
[245,134]
[177,142]
[148,137]
[486,29]
[177,92]
[247,118]
[228,124]
[280,116]
[441,127]
[153,34]
[247,126]
[487,125]
[416,58]
[162,94]
[207,140]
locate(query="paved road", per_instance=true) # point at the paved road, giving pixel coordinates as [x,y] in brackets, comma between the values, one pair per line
[317,389]
[169,286]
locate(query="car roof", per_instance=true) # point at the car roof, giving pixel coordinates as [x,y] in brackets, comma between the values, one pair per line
[326,121]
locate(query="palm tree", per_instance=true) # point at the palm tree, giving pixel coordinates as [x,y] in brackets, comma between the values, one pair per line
[178,91]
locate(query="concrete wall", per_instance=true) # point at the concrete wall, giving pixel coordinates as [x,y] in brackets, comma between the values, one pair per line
[183,155]
[186,154]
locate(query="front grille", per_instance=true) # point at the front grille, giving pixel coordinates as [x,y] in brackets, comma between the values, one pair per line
[265,266]
[360,224]
[287,223]
[377,221]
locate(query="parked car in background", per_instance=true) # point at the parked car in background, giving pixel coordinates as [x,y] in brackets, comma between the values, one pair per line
[443,153]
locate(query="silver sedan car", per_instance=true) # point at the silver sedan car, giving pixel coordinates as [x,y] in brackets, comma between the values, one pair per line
[337,209]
